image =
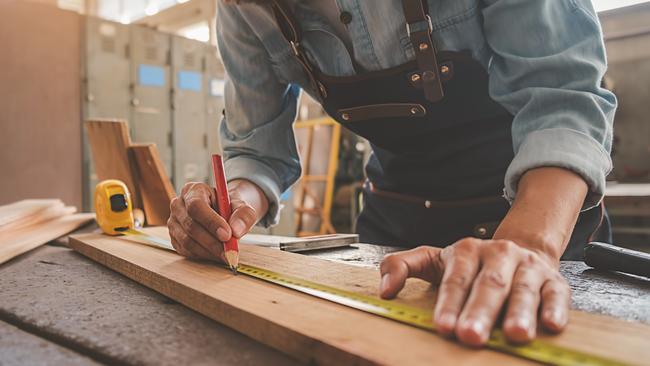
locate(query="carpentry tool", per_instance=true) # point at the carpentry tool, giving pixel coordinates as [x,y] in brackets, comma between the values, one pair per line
[301,244]
[230,247]
[612,258]
[537,350]
[114,213]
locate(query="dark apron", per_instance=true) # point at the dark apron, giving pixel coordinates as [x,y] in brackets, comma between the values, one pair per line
[441,145]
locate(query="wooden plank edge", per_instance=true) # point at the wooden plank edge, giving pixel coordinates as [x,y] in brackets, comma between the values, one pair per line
[37,237]
[309,350]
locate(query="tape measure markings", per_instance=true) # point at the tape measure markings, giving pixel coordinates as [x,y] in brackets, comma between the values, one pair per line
[535,350]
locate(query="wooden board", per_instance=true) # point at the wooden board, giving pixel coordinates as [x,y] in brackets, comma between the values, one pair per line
[109,141]
[320,332]
[156,189]
[19,241]
[14,213]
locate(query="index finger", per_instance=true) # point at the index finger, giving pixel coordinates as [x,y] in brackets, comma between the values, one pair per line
[197,203]
[422,262]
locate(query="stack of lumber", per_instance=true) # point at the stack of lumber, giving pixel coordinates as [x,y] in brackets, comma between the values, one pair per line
[27,224]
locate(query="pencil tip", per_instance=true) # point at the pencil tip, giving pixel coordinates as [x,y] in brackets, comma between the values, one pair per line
[234,270]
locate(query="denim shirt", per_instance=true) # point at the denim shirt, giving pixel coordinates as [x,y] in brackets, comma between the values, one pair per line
[545,60]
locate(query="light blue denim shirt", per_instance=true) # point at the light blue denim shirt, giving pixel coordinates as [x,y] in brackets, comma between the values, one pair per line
[545,60]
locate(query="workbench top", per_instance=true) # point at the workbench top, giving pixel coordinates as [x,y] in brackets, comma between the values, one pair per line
[58,307]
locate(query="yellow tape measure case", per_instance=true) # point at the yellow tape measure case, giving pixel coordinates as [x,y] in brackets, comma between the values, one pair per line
[113,209]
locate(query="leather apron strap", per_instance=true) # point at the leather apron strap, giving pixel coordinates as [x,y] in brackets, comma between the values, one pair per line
[292,33]
[425,51]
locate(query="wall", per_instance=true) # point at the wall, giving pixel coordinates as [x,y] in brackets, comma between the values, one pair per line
[627,37]
[40,112]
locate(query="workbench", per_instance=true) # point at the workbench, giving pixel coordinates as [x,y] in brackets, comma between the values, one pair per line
[58,307]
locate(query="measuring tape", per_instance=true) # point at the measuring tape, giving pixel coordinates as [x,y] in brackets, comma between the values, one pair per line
[115,222]
[535,350]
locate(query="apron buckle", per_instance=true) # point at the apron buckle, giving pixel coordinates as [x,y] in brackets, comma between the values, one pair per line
[430,25]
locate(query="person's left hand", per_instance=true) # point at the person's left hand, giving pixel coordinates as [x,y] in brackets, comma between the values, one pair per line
[476,278]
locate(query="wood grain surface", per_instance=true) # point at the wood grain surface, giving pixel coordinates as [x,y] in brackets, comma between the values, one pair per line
[315,330]
[109,141]
[21,240]
[155,187]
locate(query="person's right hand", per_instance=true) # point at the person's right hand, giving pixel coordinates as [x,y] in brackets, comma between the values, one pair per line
[198,231]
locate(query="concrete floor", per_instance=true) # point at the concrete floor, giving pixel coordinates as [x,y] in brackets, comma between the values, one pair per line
[58,307]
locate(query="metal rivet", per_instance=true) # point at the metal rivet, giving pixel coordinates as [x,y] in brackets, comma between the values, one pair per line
[444,69]
[481,231]
[345,17]
[427,204]
[424,46]
[414,110]
[415,78]
[345,116]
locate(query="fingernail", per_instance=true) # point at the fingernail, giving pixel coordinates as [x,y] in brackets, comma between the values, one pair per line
[222,234]
[555,316]
[238,228]
[479,328]
[447,321]
[383,286]
[524,324]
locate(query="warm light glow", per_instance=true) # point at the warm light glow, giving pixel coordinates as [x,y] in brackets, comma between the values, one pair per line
[199,32]
[602,5]
[151,10]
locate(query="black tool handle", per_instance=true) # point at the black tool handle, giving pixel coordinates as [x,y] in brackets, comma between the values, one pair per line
[612,258]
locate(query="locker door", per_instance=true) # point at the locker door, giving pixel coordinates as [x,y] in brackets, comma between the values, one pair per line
[151,84]
[191,162]
[105,84]
[214,84]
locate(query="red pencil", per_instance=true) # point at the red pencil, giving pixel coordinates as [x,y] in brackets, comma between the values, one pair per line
[231,247]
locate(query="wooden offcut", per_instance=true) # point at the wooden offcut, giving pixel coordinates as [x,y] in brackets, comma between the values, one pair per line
[28,224]
[109,142]
[320,332]
[156,189]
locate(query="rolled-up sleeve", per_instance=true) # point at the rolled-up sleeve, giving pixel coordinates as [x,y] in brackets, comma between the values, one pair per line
[547,66]
[256,132]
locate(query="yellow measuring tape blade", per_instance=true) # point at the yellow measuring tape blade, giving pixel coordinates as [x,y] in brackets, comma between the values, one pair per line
[536,350]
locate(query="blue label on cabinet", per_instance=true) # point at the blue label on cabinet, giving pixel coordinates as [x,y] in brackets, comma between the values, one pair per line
[189,80]
[151,75]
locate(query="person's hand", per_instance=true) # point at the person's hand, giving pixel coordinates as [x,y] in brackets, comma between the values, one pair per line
[198,231]
[476,279]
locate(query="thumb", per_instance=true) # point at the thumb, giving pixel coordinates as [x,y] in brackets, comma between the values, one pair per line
[242,219]
[422,262]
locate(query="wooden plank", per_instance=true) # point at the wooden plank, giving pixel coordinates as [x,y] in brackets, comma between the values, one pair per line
[22,210]
[17,242]
[155,187]
[109,141]
[320,332]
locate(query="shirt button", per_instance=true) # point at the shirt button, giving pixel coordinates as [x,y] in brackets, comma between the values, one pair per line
[345,17]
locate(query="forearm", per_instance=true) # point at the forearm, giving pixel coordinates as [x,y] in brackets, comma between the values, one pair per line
[545,211]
